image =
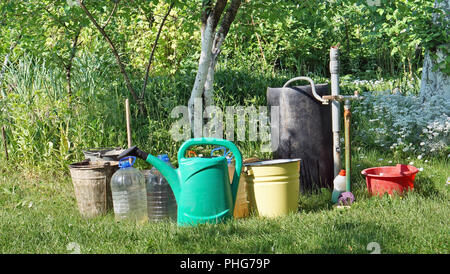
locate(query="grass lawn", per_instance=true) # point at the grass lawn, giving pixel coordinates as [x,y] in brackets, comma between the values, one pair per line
[39,215]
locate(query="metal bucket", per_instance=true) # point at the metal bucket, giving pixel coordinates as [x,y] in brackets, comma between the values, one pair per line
[91,181]
[242,205]
[241,208]
[103,154]
[273,186]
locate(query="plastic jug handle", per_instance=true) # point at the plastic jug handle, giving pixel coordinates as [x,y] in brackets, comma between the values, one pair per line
[218,142]
[123,161]
[219,148]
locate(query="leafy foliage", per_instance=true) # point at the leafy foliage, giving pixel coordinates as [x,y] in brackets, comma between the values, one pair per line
[270,42]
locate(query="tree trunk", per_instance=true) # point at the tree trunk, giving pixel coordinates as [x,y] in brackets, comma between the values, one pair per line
[433,80]
[202,73]
[70,63]
[211,43]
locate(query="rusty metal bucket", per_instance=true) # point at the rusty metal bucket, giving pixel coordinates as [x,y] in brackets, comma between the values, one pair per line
[91,181]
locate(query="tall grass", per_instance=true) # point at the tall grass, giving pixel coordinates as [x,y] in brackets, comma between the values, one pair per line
[47,130]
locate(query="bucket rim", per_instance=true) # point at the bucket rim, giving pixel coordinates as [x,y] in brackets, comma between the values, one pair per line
[273,162]
[92,165]
[102,150]
[411,171]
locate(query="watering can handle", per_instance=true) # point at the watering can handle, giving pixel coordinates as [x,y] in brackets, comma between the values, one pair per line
[218,142]
[313,87]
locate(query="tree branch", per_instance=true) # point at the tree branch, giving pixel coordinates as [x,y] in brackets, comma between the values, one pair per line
[206,10]
[114,50]
[259,42]
[217,12]
[116,4]
[219,37]
[56,18]
[228,18]
[69,65]
[153,49]
[150,19]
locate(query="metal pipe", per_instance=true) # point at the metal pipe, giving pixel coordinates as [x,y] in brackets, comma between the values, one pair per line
[335,107]
[313,87]
[347,117]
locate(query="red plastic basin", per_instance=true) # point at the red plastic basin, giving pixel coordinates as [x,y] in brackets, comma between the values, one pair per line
[390,179]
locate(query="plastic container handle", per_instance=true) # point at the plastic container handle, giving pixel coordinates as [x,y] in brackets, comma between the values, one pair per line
[220,148]
[313,87]
[190,152]
[126,158]
[229,153]
[218,142]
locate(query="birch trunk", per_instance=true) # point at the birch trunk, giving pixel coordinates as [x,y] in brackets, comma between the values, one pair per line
[202,73]
[435,82]
[211,43]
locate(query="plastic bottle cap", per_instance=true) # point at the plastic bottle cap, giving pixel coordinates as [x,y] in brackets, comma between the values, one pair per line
[342,172]
[125,163]
[164,157]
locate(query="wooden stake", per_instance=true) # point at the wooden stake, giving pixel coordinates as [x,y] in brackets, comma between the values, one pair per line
[4,142]
[127,111]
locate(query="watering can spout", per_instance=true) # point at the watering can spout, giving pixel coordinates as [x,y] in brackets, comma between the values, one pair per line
[166,170]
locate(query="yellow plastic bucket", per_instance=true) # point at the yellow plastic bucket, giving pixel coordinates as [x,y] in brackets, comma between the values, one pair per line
[273,186]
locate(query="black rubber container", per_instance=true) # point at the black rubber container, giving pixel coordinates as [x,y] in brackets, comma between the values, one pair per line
[304,132]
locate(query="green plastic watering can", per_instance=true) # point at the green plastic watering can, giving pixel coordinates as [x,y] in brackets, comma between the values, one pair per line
[201,186]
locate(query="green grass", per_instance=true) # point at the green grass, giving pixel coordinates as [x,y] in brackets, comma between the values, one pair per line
[39,215]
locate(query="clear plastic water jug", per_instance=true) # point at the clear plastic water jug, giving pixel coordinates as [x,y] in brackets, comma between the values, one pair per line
[128,192]
[161,203]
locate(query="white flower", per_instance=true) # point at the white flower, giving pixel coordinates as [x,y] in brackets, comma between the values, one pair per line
[419,157]
[411,163]
[420,168]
